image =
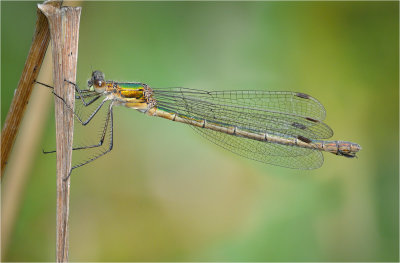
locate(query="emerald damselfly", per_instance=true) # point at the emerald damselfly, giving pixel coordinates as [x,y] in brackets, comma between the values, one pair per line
[274,127]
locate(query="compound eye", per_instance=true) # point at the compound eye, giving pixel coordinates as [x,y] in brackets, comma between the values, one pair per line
[99,83]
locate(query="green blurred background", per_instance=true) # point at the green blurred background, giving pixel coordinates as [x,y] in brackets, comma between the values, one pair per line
[166,194]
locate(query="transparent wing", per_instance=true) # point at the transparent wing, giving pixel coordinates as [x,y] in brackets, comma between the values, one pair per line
[288,114]
[276,154]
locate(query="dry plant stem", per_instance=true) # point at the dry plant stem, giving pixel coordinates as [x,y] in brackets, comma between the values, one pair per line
[23,92]
[25,148]
[64,30]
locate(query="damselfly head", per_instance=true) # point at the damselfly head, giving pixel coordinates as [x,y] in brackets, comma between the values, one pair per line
[97,82]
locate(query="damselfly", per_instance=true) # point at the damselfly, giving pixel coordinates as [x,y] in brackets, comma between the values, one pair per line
[274,127]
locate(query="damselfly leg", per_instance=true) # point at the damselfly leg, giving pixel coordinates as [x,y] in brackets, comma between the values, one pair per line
[109,121]
[89,94]
[94,96]
[85,93]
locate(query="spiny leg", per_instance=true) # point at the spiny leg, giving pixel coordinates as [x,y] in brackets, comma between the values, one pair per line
[109,119]
[90,146]
[84,123]
[80,91]
[87,104]
[81,96]
[101,139]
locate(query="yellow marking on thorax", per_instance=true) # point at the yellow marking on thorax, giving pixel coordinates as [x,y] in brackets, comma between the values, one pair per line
[131,93]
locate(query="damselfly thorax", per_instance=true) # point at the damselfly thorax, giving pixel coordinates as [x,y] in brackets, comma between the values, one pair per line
[274,127]
[131,95]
